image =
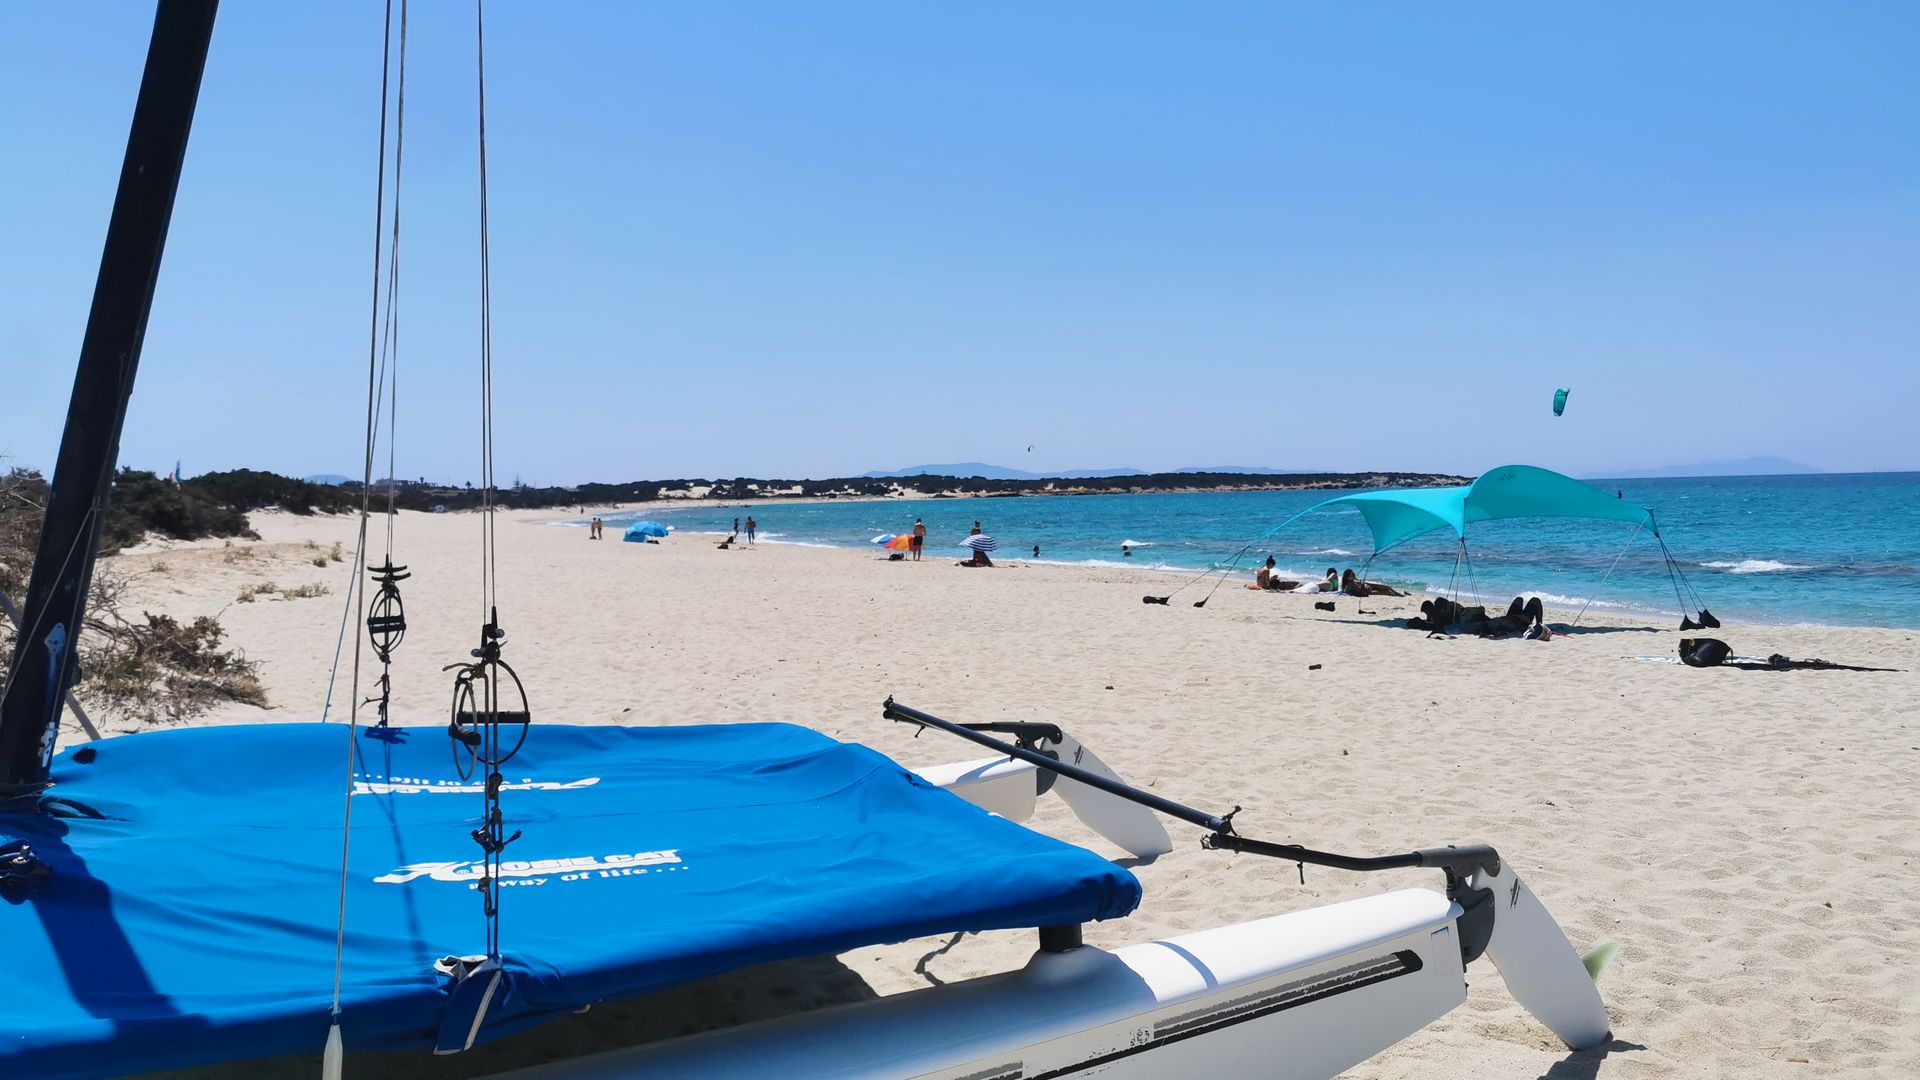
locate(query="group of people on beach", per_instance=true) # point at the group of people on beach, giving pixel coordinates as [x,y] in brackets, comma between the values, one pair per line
[733,538]
[1525,616]
[1440,615]
[917,545]
[1335,582]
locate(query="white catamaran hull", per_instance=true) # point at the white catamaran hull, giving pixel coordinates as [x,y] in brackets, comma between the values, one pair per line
[1306,994]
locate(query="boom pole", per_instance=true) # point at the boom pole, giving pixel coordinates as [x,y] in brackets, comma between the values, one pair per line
[43,664]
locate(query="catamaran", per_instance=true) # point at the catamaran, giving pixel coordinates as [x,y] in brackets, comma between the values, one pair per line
[187,896]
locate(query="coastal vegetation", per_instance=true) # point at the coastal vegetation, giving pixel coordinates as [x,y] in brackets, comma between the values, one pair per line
[216,504]
[143,667]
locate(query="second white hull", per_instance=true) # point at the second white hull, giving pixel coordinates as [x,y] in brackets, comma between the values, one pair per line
[1305,995]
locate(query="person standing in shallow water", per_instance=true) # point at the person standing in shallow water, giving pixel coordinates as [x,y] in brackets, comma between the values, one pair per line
[919,538]
[736,526]
[750,528]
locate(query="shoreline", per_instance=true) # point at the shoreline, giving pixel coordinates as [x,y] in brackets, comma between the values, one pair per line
[1177,575]
[1719,825]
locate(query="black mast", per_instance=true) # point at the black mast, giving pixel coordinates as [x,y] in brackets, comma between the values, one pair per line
[43,660]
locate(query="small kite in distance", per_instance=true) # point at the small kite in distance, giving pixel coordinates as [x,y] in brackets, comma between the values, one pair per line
[1559,401]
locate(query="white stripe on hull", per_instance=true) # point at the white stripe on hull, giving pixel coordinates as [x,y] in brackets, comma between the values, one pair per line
[1306,994]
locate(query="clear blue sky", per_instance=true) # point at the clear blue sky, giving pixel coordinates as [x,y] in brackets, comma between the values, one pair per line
[783,240]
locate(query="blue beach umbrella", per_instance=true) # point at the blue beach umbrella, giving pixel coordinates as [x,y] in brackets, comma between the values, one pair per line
[980,542]
[639,531]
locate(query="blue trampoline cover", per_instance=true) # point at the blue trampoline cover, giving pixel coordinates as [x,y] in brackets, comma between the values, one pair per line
[191,913]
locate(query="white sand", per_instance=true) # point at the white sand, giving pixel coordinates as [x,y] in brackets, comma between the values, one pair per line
[1749,838]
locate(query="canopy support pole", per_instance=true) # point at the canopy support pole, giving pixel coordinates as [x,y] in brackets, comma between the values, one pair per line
[1453,583]
[1473,584]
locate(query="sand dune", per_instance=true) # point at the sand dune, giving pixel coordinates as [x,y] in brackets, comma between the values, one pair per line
[1749,838]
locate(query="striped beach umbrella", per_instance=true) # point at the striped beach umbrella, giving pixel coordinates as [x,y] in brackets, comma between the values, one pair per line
[980,542]
[883,538]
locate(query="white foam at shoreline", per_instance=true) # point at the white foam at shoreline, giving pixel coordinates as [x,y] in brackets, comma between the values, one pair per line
[1757,566]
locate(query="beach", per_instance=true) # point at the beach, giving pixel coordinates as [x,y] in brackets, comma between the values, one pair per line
[1748,838]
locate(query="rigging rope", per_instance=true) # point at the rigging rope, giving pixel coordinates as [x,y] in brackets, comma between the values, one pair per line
[386,622]
[1603,577]
[478,688]
[1672,575]
[375,367]
[1223,571]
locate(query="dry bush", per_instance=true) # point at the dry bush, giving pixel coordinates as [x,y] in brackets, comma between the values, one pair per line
[302,592]
[264,588]
[157,669]
[149,668]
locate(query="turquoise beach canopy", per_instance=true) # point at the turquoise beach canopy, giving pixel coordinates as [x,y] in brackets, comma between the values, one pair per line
[1510,491]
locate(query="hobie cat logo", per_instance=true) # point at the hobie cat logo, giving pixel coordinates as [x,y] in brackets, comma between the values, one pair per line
[539,871]
[411,785]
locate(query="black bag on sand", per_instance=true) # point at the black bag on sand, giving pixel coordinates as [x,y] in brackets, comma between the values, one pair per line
[1704,652]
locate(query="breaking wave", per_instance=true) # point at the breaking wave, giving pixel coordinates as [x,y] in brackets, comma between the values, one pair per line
[1758,566]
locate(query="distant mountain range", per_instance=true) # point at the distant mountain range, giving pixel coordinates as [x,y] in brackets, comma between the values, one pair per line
[1753,466]
[981,469]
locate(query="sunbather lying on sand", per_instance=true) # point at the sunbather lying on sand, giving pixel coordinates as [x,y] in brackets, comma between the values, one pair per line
[1440,613]
[1331,583]
[1351,584]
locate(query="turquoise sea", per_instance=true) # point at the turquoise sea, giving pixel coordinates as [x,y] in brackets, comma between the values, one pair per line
[1838,549]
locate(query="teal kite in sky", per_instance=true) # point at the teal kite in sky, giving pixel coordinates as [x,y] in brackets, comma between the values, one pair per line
[1559,401]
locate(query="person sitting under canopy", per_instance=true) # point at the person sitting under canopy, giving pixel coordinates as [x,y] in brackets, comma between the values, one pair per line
[1264,579]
